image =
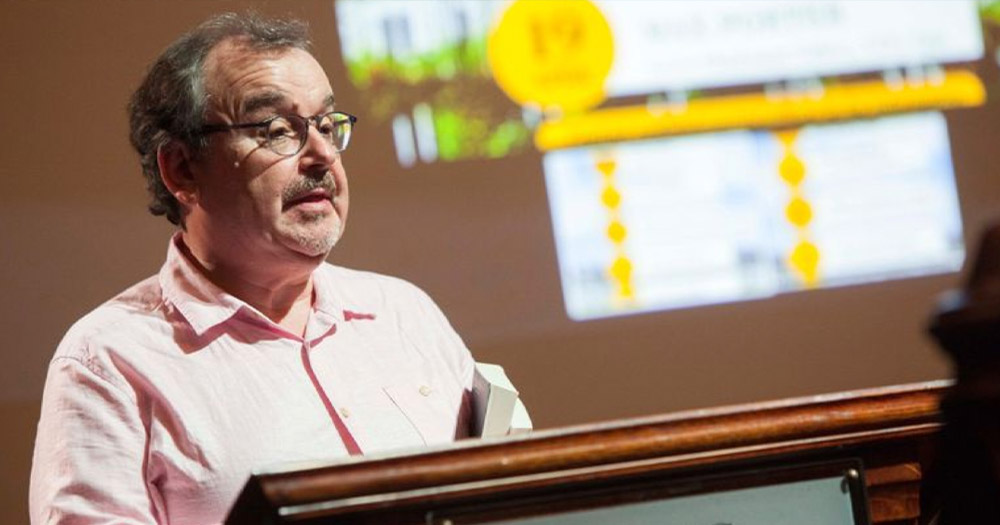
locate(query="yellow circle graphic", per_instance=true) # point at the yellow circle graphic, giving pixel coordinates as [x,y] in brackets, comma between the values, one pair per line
[555,54]
[792,169]
[798,212]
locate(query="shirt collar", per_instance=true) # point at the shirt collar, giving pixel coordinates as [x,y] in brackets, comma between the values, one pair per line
[205,305]
[324,294]
[201,302]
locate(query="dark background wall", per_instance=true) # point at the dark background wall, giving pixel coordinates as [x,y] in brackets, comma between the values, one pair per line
[477,237]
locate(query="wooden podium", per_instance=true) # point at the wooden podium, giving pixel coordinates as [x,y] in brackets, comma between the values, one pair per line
[887,433]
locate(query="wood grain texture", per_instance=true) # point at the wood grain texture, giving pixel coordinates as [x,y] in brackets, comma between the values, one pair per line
[885,427]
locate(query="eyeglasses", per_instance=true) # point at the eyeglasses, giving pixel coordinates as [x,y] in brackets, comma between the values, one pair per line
[287,134]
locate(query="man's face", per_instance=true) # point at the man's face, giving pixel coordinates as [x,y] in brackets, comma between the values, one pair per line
[252,203]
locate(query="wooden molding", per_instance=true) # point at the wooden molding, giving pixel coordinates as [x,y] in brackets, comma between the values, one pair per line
[874,424]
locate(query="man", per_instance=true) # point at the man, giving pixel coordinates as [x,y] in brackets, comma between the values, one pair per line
[247,349]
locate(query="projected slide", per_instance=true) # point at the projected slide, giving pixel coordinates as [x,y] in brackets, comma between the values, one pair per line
[693,152]
[738,215]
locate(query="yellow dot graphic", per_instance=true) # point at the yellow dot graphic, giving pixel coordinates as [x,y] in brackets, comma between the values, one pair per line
[792,170]
[787,137]
[798,212]
[553,54]
[607,167]
[611,198]
[805,259]
[617,232]
[621,270]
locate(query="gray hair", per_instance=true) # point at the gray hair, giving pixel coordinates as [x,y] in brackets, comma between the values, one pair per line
[171,101]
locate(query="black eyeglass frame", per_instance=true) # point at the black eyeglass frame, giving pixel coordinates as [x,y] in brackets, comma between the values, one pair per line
[315,120]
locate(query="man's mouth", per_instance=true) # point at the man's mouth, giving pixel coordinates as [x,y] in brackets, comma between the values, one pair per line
[318,196]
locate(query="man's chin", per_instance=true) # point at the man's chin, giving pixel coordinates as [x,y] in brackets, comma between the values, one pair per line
[311,236]
[315,245]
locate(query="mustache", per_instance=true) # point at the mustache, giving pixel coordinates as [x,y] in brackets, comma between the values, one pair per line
[302,186]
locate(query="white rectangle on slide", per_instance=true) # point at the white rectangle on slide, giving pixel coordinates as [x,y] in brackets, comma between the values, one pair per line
[704,218]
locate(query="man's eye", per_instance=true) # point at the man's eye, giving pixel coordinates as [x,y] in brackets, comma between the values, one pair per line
[280,129]
[327,127]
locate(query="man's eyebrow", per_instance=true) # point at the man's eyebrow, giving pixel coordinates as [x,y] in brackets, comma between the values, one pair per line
[273,99]
[267,99]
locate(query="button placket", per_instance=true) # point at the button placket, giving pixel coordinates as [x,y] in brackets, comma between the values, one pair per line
[337,416]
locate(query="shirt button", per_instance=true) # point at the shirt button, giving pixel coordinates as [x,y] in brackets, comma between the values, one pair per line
[425,390]
[344,412]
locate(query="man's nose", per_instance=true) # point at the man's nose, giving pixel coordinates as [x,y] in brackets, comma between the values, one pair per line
[317,148]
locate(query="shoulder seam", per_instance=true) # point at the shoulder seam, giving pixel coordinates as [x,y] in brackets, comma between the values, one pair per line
[89,364]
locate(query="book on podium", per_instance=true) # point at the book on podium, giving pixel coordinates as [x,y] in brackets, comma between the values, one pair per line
[497,409]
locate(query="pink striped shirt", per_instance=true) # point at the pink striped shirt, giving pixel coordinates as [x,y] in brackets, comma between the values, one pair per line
[160,403]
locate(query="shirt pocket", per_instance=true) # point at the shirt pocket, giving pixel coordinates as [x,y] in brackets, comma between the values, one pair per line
[427,407]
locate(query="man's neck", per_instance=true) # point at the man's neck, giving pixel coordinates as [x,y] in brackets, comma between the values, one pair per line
[283,293]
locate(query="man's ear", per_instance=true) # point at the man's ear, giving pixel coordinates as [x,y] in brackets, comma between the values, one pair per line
[175,162]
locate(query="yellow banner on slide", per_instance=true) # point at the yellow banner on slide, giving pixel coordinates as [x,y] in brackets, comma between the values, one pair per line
[759,110]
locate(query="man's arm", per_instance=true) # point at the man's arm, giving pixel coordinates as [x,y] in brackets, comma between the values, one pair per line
[90,451]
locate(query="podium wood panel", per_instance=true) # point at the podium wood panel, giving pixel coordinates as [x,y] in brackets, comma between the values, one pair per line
[890,429]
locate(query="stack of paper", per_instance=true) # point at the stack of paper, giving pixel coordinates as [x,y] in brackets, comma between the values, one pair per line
[497,410]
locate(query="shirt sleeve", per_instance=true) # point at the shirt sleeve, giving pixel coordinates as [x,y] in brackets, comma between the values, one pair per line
[89,458]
